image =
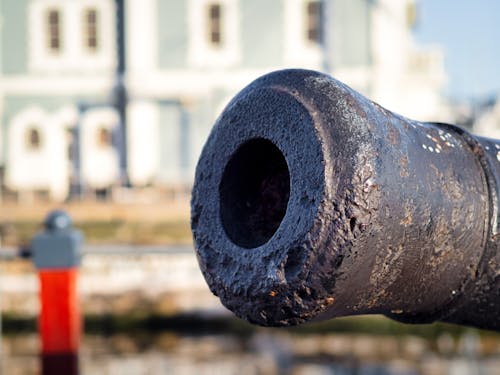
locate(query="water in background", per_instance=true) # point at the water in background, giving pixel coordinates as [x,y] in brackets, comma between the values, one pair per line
[268,351]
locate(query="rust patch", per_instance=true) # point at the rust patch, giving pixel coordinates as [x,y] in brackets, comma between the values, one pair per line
[403,162]
[408,219]
[393,136]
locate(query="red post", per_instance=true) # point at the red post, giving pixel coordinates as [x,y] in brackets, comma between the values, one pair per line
[56,253]
[59,321]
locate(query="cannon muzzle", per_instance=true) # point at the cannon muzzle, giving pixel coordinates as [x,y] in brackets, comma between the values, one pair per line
[312,202]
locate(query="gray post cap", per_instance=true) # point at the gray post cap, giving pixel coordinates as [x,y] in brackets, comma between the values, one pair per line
[57,220]
[58,246]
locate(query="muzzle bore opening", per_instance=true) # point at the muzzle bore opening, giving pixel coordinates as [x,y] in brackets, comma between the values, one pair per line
[254,193]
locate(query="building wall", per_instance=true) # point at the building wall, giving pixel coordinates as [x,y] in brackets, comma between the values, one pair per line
[178,82]
[144,142]
[406,79]
[14,23]
[172,31]
[262,33]
[143,20]
[351,42]
[168,142]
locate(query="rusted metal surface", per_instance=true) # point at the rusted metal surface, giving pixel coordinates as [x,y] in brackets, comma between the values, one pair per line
[312,202]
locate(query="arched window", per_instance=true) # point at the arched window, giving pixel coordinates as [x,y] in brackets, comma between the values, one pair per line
[103,137]
[33,139]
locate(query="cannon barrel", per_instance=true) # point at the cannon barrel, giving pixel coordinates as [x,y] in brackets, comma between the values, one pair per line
[312,202]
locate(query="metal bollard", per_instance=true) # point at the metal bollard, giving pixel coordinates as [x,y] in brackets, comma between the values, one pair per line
[312,202]
[57,254]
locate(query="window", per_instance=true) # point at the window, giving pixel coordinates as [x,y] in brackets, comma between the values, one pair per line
[54,30]
[70,36]
[215,24]
[91,31]
[103,137]
[304,32]
[314,15]
[33,139]
[214,33]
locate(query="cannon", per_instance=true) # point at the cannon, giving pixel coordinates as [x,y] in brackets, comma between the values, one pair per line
[312,202]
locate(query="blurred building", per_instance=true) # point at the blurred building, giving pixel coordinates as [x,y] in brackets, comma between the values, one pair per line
[184,60]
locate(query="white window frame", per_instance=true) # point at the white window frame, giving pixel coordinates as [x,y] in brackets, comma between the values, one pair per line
[203,53]
[104,56]
[100,165]
[41,57]
[299,50]
[74,54]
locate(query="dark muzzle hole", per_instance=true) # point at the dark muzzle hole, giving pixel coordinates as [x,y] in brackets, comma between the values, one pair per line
[254,193]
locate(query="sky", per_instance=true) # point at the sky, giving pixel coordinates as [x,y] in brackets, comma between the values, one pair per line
[469,33]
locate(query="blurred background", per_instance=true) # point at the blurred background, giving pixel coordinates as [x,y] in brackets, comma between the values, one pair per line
[104,108]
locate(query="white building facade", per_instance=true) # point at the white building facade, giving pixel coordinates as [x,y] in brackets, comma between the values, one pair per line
[184,60]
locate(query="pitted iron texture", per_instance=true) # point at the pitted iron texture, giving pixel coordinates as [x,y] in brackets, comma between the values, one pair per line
[312,202]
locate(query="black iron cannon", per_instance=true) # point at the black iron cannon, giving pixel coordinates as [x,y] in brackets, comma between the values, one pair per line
[312,202]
